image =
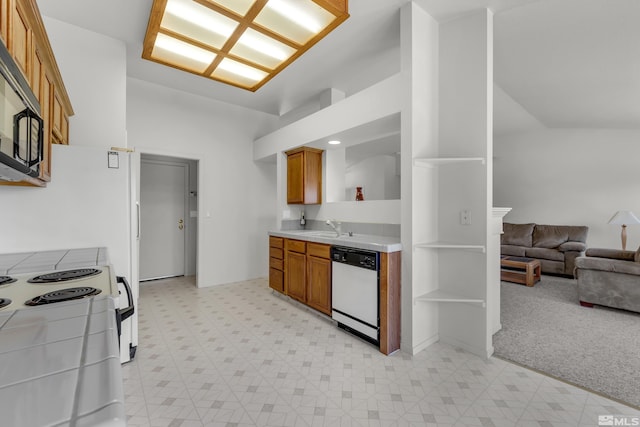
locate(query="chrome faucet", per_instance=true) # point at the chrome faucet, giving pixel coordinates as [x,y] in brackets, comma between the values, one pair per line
[336,225]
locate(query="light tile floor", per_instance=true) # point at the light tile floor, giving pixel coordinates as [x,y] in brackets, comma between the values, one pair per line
[240,355]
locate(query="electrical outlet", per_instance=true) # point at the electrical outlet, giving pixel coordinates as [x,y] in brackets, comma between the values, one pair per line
[465,217]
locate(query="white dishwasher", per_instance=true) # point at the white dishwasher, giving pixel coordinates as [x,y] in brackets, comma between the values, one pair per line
[355,292]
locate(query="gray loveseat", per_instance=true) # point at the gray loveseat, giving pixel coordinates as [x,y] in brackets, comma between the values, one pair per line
[609,277]
[556,246]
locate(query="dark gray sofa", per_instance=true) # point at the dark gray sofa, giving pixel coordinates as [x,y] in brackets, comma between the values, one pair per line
[609,277]
[556,246]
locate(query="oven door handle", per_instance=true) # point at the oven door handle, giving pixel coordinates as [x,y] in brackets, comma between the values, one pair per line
[127,312]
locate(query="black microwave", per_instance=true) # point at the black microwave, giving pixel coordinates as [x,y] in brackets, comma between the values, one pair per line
[21,127]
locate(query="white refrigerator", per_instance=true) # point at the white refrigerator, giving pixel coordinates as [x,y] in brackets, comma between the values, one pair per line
[90,202]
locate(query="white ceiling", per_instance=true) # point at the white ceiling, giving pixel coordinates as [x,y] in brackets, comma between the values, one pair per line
[566,63]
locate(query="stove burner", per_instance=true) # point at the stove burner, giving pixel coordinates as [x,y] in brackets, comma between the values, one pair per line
[4,302]
[63,276]
[63,295]
[5,280]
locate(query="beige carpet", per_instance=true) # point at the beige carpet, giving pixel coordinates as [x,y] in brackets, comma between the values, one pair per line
[545,328]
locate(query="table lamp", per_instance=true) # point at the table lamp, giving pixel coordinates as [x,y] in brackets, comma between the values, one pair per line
[624,218]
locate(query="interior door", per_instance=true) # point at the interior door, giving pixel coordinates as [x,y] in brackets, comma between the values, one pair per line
[163,189]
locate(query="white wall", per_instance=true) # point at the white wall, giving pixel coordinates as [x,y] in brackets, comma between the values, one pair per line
[377,177]
[238,193]
[419,138]
[79,208]
[570,176]
[93,68]
[358,109]
[237,196]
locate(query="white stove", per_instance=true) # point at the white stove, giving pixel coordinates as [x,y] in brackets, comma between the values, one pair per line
[19,291]
[31,279]
[64,333]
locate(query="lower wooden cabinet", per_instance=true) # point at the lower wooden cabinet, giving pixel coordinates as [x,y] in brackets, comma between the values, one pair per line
[296,276]
[302,270]
[307,272]
[319,284]
[276,263]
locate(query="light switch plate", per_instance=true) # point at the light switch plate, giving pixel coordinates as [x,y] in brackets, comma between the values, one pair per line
[465,217]
[113,159]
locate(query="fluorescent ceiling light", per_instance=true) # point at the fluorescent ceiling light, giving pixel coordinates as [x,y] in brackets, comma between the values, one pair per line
[334,142]
[241,69]
[263,44]
[197,15]
[294,13]
[184,49]
[240,42]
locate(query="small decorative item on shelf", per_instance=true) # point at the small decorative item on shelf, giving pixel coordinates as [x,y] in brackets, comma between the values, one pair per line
[359,195]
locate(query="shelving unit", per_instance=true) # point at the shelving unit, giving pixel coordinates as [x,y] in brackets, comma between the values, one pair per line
[446,245]
[453,277]
[431,162]
[448,132]
[443,296]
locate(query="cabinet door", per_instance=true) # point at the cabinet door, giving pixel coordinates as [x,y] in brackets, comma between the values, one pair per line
[45,109]
[296,275]
[20,43]
[295,178]
[4,21]
[319,284]
[56,117]
[276,279]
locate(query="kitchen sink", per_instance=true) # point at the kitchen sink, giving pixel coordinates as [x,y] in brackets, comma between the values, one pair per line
[321,234]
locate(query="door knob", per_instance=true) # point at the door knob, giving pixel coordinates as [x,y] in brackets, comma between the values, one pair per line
[180,224]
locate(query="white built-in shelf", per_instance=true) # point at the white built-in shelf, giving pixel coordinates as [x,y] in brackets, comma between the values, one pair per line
[447,245]
[437,161]
[443,296]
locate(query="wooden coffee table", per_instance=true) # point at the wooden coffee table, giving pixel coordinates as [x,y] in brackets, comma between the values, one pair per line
[521,270]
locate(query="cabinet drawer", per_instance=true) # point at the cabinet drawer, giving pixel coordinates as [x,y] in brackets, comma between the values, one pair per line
[276,263]
[276,253]
[319,250]
[296,246]
[276,242]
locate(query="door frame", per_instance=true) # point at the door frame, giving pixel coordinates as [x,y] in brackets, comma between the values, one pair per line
[185,200]
[137,152]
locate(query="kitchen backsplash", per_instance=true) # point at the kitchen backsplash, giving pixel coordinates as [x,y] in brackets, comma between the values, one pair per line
[391,230]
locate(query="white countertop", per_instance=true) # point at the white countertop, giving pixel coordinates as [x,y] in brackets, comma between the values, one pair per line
[63,259]
[359,241]
[60,364]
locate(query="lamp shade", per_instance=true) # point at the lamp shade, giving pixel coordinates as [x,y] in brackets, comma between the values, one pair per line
[624,218]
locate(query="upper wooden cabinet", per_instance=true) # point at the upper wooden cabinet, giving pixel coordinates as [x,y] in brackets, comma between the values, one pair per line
[4,21]
[20,40]
[22,32]
[304,176]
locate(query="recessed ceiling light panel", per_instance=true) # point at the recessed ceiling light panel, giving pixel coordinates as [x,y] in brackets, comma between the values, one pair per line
[197,22]
[178,53]
[260,49]
[297,20]
[241,7]
[240,42]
